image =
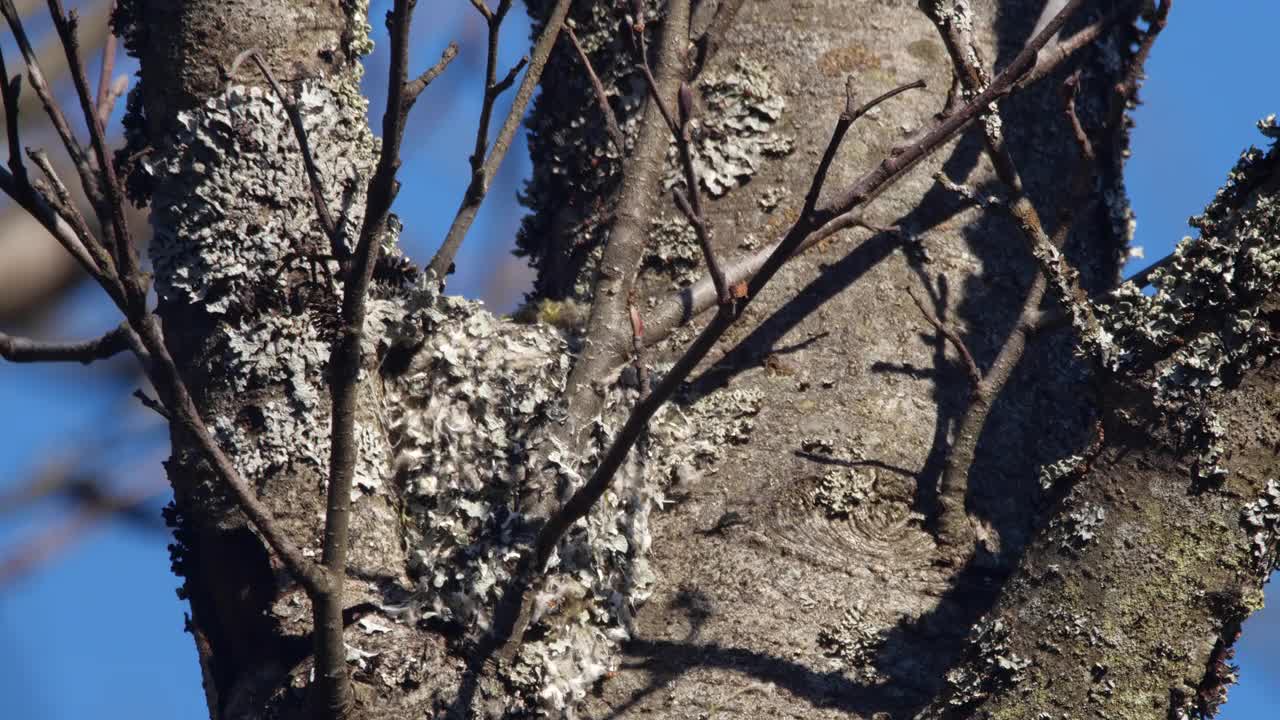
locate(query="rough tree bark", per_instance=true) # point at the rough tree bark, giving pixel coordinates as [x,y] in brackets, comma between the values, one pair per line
[783,541]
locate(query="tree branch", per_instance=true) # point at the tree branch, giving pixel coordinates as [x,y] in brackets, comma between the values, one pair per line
[111,206]
[331,693]
[23,350]
[442,263]
[607,336]
[602,99]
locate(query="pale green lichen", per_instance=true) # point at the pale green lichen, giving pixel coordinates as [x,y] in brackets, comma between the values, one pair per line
[231,209]
[1261,519]
[771,198]
[360,34]
[735,128]
[840,491]
[472,418]
[855,642]
[992,666]
[1079,527]
[232,157]
[1205,324]
[673,249]
[1056,472]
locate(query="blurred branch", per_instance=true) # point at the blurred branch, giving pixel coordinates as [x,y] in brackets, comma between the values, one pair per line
[95,506]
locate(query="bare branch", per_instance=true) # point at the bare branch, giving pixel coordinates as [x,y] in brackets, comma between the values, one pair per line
[415,87]
[608,338]
[330,228]
[11,91]
[975,375]
[602,99]
[332,696]
[691,203]
[24,350]
[106,98]
[848,116]
[442,262]
[37,79]
[82,244]
[112,209]
[152,404]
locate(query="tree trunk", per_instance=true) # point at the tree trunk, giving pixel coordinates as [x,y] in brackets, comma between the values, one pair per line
[789,567]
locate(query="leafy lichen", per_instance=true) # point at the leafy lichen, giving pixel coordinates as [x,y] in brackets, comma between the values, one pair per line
[736,128]
[1205,323]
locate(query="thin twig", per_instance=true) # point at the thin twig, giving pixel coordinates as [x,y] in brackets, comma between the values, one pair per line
[975,375]
[414,87]
[152,404]
[11,93]
[602,99]
[112,211]
[476,190]
[95,258]
[337,247]
[689,204]
[24,350]
[105,100]
[37,79]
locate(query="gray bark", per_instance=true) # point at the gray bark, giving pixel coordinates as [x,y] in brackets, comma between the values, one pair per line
[768,550]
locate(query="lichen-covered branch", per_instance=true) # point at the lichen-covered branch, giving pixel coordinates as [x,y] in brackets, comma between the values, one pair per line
[1133,606]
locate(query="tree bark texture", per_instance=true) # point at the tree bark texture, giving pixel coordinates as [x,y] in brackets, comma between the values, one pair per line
[768,550]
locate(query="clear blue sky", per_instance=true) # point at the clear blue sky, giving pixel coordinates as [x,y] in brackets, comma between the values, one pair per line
[97,632]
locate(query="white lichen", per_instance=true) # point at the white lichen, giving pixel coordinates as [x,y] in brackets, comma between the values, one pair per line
[1261,518]
[735,128]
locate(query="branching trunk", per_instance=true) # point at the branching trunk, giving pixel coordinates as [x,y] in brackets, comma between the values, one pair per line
[827,520]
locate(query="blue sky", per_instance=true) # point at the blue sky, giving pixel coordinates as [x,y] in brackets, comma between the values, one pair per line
[97,630]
